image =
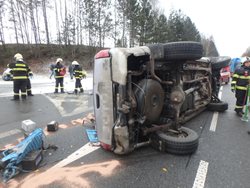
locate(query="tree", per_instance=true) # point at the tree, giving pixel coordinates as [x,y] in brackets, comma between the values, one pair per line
[190,31]
[13,19]
[44,2]
[32,20]
[160,29]
[181,28]
[209,48]
[2,40]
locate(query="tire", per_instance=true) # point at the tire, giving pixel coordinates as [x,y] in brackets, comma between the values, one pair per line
[185,50]
[220,62]
[219,107]
[157,51]
[150,99]
[176,145]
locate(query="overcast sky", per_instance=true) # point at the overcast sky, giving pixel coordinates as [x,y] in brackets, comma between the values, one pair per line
[227,21]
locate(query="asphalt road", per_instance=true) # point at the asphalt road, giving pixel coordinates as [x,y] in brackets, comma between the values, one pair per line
[222,158]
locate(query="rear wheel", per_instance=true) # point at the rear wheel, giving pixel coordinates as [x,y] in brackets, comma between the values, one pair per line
[184,142]
[185,50]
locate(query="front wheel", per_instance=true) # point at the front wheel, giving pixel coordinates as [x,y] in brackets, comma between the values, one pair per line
[183,142]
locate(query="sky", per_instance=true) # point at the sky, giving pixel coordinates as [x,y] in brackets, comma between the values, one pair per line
[227,21]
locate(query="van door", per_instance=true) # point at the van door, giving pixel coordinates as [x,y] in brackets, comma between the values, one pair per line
[103,100]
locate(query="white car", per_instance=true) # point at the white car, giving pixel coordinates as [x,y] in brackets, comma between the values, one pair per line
[7,76]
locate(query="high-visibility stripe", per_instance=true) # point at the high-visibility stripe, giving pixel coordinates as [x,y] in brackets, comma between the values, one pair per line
[244,77]
[238,106]
[23,93]
[19,69]
[233,82]
[16,93]
[236,76]
[20,65]
[241,87]
[28,89]
[19,77]
[58,76]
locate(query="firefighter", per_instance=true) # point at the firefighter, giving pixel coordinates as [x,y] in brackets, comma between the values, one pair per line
[59,71]
[78,74]
[239,85]
[19,69]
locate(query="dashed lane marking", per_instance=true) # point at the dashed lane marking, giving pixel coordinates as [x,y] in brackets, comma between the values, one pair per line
[9,133]
[216,114]
[201,175]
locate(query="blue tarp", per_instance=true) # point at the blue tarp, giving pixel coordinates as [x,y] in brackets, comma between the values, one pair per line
[13,157]
[234,64]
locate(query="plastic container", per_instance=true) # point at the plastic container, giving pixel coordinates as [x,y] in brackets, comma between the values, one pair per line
[92,135]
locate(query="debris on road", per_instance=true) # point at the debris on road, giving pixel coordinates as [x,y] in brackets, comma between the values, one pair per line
[52,126]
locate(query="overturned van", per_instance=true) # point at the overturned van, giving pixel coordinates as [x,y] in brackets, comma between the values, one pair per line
[144,95]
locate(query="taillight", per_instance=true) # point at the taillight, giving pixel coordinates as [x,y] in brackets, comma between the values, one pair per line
[106,146]
[102,54]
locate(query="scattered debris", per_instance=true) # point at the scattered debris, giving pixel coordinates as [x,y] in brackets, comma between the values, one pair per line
[27,127]
[52,126]
[92,136]
[11,159]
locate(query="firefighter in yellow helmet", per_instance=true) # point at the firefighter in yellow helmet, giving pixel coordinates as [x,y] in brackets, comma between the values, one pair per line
[19,69]
[239,85]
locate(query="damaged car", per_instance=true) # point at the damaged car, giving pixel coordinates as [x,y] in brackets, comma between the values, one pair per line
[146,94]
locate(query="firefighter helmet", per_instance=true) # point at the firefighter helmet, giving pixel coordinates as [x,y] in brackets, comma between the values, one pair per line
[75,63]
[18,57]
[59,60]
[245,60]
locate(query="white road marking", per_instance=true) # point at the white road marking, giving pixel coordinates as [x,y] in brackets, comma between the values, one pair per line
[201,175]
[83,151]
[216,114]
[214,121]
[220,92]
[9,133]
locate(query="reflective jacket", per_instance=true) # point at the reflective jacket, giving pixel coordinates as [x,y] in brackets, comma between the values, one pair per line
[241,78]
[19,69]
[77,72]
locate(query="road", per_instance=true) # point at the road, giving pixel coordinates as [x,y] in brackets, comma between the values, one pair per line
[222,158]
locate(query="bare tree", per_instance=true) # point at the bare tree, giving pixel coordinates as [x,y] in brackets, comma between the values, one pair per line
[45,20]
[37,4]
[32,20]
[57,24]
[13,19]
[1,22]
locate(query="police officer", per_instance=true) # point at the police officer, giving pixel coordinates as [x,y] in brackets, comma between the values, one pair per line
[78,74]
[59,71]
[19,70]
[239,85]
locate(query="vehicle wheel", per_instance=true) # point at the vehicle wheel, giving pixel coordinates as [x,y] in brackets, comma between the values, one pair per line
[220,62]
[219,107]
[157,51]
[150,99]
[183,50]
[183,143]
